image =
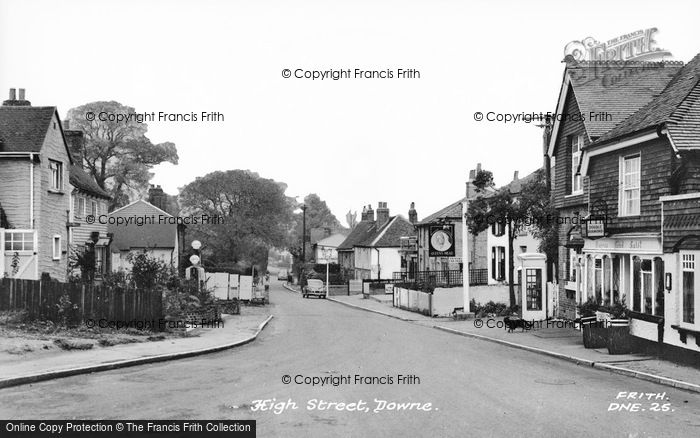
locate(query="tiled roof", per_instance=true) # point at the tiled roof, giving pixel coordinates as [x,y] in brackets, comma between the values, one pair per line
[516,186]
[619,90]
[127,237]
[23,128]
[452,211]
[359,234]
[677,105]
[85,182]
[332,241]
[391,233]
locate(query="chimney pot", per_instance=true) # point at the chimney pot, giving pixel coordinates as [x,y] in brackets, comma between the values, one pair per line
[478,167]
[21,94]
[515,175]
[13,95]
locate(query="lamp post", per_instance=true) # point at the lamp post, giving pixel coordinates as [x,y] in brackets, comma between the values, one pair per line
[303,233]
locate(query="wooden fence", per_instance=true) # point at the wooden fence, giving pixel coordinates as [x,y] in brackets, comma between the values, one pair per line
[42,299]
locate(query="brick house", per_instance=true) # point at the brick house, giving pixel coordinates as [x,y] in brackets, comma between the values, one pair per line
[643,190]
[594,98]
[373,247]
[35,193]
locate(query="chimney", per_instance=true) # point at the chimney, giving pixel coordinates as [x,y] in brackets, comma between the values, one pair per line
[413,214]
[157,197]
[472,176]
[515,175]
[382,214]
[75,142]
[13,101]
[370,213]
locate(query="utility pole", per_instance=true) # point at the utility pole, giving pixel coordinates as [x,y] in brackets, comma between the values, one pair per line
[303,234]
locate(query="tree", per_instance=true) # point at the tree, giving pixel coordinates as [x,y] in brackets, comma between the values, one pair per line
[529,209]
[117,153]
[252,214]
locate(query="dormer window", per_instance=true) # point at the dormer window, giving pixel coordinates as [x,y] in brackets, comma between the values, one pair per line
[576,146]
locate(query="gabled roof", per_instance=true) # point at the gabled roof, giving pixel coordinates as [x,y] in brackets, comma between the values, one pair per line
[332,241]
[85,182]
[452,211]
[677,107]
[24,128]
[359,234]
[391,233]
[131,236]
[608,87]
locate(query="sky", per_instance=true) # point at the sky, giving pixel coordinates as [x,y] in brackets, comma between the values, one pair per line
[352,141]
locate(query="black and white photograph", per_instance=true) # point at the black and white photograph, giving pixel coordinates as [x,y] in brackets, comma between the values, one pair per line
[349,218]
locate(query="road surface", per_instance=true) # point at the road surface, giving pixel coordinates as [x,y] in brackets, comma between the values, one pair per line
[474,388]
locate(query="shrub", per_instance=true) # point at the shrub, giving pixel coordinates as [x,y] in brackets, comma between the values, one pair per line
[589,308]
[619,309]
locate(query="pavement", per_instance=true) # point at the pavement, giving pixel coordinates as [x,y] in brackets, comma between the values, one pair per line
[556,340]
[474,387]
[236,330]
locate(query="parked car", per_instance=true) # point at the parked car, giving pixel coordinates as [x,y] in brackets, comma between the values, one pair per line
[282,275]
[314,287]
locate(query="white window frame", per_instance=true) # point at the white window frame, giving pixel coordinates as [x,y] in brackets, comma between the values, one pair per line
[19,251]
[576,179]
[81,207]
[56,168]
[56,247]
[689,264]
[622,207]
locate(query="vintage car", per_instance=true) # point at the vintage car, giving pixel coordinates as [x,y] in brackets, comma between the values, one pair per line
[314,287]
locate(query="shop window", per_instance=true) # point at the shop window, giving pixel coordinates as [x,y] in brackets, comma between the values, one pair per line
[659,286]
[636,283]
[688,295]
[616,279]
[647,286]
[598,279]
[607,281]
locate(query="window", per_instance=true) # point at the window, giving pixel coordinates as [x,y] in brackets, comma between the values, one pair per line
[576,146]
[647,286]
[607,271]
[93,208]
[629,186]
[573,264]
[636,283]
[501,262]
[80,211]
[19,241]
[498,228]
[533,277]
[598,279]
[688,294]
[523,248]
[56,174]
[494,275]
[57,247]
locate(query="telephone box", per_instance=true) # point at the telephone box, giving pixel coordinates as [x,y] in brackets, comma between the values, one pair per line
[533,285]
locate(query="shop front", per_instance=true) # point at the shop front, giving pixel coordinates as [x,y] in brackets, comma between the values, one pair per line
[628,267]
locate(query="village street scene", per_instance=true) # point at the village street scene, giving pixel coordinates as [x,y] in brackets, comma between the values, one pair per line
[183,268]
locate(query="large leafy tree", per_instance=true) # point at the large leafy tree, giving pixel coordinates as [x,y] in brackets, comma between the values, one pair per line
[253,214]
[530,208]
[117,153]
[318,215]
